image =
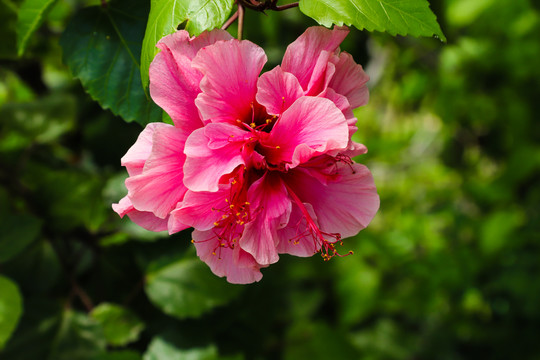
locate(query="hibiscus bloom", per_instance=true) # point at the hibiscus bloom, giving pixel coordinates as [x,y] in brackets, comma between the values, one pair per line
[257,165]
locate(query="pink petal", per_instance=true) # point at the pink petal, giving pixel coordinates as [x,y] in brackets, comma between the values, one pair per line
[174,84]
[277,90]
[159,188]
[147,220]
[269,197]
[137,154]
[345,204]
[310,127]
[200,209]
[343,104]
[231,69]
[238,266]
[212,151]
[321,75]
[350,80]
[302,56]
[291,237]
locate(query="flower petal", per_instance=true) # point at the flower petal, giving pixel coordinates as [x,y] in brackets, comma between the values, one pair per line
[350,80]
[231,69]
[291,238]
[212,151]
[302,56]
[159,188]
[137,154]
[346,204]
[269,196]
[200,209]
[174,84]
[277,90]
[144,219]
[310,127]
[237,265]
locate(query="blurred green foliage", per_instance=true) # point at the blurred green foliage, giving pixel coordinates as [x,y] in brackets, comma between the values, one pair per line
[447,270]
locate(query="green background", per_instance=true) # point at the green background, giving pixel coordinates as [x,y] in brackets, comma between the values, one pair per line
[448,269]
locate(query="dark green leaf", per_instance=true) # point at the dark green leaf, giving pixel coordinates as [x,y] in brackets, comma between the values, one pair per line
[79,337]
[119,355]
[8,21]
[10,308]
[166,15]
[18,231]
[31,15]
[401,17]
[102,47]
[120,325]
[187,288]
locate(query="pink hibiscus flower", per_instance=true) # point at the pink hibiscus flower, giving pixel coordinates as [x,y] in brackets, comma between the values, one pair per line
[258,166]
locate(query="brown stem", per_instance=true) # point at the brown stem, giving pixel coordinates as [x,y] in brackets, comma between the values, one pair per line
[230,21]
[240,21]
[284,7]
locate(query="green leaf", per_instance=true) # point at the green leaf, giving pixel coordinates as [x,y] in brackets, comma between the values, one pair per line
[166,15]
[31,16]
[79,337]
[8,21]
[18,231]
[187,288]
[10,308]
[159,349]
[119,355]
[401,17]
[120,325]
[102,47]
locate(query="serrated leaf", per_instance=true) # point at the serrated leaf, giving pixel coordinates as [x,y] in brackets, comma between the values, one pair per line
[30,17]
[18,231]
[120,325]
[166,15]
[10,308]
[187,289]
[403,17]
[102,48]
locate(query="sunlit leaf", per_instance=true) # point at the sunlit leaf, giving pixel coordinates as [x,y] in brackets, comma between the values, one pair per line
[166,15]
[160,349]
[402,17]
[120,325]
[10,308]
[31,15]
[102,47]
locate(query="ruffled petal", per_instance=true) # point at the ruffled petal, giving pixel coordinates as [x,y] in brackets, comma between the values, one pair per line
[174,84]
[277,90]
[144,219]
[303,55]
[350,80]
[212,151]
[237,265]
[231,69]
[137,154]
[159,188]
[346,204]
[292,239]
[343,104]
[269,197]
[200,209]
[310,127]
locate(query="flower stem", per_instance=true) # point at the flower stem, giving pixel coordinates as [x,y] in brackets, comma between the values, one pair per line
[230,21]
[240,21]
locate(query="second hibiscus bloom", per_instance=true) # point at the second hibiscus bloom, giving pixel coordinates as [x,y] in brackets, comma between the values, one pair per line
[258,166]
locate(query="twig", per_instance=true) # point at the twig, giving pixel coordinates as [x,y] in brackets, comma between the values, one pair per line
[240,21]
[284,7]
[230,21]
